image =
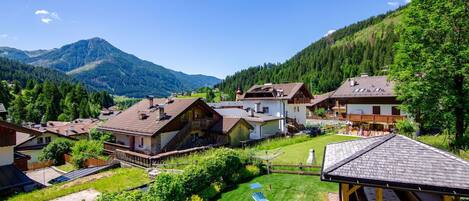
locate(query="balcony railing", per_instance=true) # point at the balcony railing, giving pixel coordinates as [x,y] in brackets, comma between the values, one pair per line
[201,123]
[299,101]
[375,118]
[111,147]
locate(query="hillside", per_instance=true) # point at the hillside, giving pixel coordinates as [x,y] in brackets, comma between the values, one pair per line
[105,67]
[12,70]
[363,47]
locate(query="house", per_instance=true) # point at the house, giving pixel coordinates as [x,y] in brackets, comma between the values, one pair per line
[287,101]
[394,167]
[370,104]
[226,104]
[233,129]
[109,113]
[262,125]
[32,145]
[12,179]
[152,126]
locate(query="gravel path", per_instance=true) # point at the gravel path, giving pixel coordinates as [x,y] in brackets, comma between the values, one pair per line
[86,195]
[43,175]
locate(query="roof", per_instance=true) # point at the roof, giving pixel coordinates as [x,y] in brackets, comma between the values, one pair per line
[320,98]
[2,108]
[130,122]
[273,91]
[76,174]
[395,161]
[19,128]
[226,104]
[226,124]
[68,129]
[240,113]
[11,177]
[365,86]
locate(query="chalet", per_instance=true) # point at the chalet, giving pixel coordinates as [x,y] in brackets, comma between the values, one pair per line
[234,130]
[262,125]
[370,104]
[12,179]
[32,145]
[287,101]
[153,126]
[394,167]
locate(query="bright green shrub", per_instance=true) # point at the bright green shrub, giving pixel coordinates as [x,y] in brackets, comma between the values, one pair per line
[55,150]
[125,196]
[85,149]
[196,198]
[211,191]
[406,127]
[168,187]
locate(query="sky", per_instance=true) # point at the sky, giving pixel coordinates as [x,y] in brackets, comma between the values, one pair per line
[211,37]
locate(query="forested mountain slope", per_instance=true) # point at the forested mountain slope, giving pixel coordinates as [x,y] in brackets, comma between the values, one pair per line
[363,47]
[101,65]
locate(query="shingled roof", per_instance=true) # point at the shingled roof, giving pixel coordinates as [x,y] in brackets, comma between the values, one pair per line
[274,91]
[227,124]
[395,161]
[129,120]
[365,86]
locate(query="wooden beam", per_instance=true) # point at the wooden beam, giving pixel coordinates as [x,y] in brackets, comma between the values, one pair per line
[344,191]
[450,198]
[353,189]
[379,194]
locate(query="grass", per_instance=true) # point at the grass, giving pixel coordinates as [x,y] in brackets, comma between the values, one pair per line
[115,180]
[298,153]
[281,142]
[284,187]
[67,167]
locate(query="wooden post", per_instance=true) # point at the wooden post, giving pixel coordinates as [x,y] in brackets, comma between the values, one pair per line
[379,194]
[344,192]
[450,198]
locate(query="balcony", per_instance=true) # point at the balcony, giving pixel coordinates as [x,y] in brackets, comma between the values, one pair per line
[375,118]
[299,101]
[201,124]
[110,147]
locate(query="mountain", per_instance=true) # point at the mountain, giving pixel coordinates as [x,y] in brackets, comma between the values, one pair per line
[105,67]
[363,47]
[12,70]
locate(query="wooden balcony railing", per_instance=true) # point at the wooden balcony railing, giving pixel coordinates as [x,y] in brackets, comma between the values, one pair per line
[110,147]
[300,101]
[375,118]
[201,123]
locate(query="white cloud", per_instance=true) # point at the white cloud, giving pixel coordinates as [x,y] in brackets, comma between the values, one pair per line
[330,32]
[3,35]
[41,12]
[393,3]
[46,16]
[46,20]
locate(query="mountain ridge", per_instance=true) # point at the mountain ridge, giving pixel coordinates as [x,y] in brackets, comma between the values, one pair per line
[99,64]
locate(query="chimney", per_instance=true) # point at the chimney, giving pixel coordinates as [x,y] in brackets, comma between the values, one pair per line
[150,101]
[257,107]
[251,112]
[161,113]
[364,75]
[352,82]
[239,94]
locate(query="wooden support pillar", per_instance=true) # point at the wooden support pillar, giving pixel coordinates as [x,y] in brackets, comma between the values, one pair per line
[346,191]
[450,198]
[379,194]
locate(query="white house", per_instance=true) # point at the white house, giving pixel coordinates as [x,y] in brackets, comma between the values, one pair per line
[370,103]
[263,125]
[287,101]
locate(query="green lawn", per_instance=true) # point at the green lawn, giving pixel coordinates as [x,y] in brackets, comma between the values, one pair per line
[114,180]
[284,187]
[298,153]
[67,167]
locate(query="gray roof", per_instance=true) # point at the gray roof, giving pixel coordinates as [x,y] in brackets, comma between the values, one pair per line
[366,86]
[226,104]
[240,113]
[395,161]
[11,177]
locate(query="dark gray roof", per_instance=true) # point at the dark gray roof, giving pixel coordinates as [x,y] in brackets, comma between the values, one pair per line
[395,161]
[76,174]
[367,86]
[226,104]
[11,177]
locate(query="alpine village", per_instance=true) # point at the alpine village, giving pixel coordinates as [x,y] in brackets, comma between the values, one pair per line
[375,111]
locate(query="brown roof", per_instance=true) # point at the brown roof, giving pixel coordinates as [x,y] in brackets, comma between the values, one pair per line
[75,127]
[227,124]
[321,97]
[130,122]
[365,86]
[274,91]
[18,128]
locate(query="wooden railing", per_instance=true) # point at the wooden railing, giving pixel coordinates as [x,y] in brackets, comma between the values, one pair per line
[110,147]
[178,138]
[202,123]
[300,101]
[375,118]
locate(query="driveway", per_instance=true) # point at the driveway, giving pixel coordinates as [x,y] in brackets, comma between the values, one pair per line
[43,175]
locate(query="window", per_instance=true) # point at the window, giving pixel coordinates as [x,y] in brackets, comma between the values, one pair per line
[376,110]
[40,140]
[395,110]
[48,139]
[265,109]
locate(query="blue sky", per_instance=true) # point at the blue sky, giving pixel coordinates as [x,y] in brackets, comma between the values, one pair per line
[213,37]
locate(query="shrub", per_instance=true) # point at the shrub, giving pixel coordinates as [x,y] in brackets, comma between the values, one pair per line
[97,135]
[124,196]
[211,191]
[55,150]
[168,187]
[406,127]
[85,149]
[320,112]
[196,198]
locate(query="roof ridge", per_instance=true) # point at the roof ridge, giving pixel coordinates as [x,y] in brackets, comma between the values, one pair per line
[361,152]
[439,151]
